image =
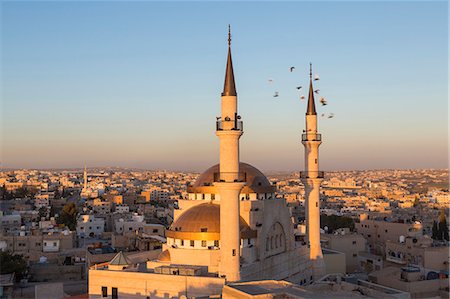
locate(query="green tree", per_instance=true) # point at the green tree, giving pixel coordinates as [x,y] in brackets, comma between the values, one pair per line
[42,212]
[442,226]
[434,231]
[334,222]
[13,263]
[68,216]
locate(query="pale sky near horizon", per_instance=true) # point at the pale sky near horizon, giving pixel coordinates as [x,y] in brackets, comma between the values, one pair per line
[137,84]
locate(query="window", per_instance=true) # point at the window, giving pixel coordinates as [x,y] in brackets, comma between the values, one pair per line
[234,252]
[368,236]
[317,204]
[216,243]
[192,243]
[204,229]
[203,243]
[155,230]
[182,242]
[114,293]
[98,227]
[213,196]
[90,227]
[45,243]
[355,255]
[354,242]
[54,244]
[248,241]
[104,292]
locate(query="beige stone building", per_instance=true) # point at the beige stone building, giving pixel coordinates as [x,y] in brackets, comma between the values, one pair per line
[378,232]
[231,227]
[420,252]
[349,244]
[35,244]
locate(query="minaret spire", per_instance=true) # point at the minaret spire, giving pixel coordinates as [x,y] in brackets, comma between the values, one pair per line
[229,88]
[311,110]
[229,181]
[311,178]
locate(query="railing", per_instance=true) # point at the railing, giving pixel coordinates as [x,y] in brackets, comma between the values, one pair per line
[234,125]
[230,176]
[311,137]
[312,174]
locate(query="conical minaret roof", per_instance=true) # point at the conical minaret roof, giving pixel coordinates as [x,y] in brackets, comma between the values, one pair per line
[311,109]
[229,88]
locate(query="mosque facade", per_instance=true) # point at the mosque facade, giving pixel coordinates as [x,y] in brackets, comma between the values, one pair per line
[232,227]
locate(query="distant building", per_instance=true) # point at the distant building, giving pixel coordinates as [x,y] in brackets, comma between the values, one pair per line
[90,226]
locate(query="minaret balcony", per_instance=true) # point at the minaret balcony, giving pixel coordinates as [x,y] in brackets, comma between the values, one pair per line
[311,137]
[312,174]
[232,125]
[230,177]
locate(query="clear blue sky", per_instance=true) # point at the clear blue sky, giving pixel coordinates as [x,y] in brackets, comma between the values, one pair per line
[138,83]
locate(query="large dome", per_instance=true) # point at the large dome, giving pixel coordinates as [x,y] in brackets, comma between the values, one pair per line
[201,220]
[255,180]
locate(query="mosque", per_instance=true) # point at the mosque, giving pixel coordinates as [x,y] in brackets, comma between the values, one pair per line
[232,227]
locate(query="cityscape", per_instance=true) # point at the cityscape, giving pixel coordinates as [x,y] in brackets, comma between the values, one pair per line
[300,194]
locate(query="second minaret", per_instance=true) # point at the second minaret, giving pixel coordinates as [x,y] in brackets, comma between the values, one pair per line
[312,179]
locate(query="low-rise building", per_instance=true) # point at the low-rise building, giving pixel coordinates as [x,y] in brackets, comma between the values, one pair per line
[90,226]
[348,243]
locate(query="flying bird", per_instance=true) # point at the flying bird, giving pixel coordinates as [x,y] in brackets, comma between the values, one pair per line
[323,101]
[317,91]
[270,80]
[331,115]
[302,97]
[292,68]
[298,87]
[316,77]
[323,114]
[276,94]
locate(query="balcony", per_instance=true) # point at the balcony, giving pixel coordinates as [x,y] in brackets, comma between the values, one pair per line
[311,137]
[233,125]
[230,176]
[312,174]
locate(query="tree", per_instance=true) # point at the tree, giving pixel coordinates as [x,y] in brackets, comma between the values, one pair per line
[68,216]
[13,263]
[334,222]
[42,212]
[442,226]
[434,231]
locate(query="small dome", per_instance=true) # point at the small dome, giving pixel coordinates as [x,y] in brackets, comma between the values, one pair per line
[255,180]
[164,256]
[203,219]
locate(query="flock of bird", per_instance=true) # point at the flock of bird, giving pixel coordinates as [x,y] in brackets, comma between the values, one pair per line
[323,101]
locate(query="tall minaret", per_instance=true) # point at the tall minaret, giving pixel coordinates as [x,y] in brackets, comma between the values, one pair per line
[85,178]
[229,181]
[311,179]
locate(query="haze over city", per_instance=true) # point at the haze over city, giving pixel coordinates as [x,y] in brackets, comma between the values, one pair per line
[137,84]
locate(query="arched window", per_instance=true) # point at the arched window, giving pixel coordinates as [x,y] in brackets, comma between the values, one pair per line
[271,243]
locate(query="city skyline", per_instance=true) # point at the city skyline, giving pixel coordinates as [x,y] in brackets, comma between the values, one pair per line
[127,87]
